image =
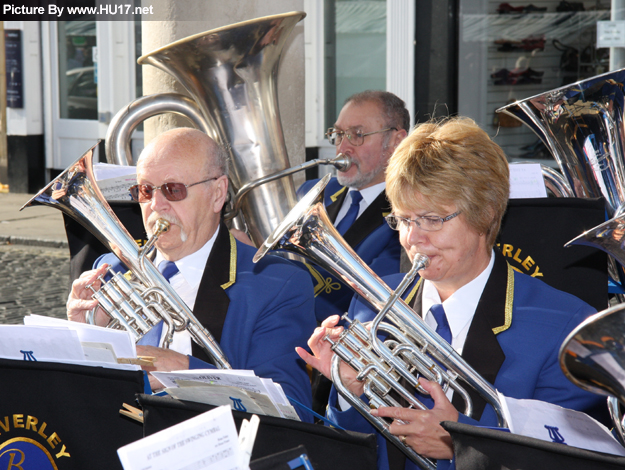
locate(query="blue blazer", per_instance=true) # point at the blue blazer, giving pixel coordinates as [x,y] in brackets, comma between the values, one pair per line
[258,313]
[515,348]
[369,236]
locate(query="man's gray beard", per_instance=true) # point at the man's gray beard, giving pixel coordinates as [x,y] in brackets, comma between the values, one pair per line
[357,181]
[172,219]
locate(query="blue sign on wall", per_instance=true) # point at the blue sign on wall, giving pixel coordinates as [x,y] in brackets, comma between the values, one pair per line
[14,66]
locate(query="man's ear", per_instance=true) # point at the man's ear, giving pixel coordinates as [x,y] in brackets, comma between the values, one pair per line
[399,136]
[219,193]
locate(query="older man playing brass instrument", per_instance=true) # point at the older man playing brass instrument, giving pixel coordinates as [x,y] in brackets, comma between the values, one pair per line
[258,313]
[448,184]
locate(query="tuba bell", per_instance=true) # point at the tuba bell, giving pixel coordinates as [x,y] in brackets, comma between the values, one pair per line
[412,349]
[593,358]
[231,73]
[583,126]
[139,305]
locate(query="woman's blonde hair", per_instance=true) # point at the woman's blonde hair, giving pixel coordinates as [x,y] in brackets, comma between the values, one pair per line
[451,162]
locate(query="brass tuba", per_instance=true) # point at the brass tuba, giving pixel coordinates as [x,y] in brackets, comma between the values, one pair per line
[583,125]
[135,306]
[593,358]
[412,349]
[231,73]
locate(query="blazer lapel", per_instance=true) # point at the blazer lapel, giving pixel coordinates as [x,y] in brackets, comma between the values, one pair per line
[334,208]
[369,220]
[211,303]
[481,348]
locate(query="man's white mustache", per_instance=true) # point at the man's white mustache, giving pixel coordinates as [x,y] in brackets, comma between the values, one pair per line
[172,219]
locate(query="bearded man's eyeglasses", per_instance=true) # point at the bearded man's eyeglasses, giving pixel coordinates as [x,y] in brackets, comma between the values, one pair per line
[355,137]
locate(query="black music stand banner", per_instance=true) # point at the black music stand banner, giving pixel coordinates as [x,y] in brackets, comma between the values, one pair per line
[65,417]
[327,448]
[478,448]
[532,237]
[279,461]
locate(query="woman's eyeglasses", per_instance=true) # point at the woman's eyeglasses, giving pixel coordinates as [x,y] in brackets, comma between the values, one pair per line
[171,191]
[429,223]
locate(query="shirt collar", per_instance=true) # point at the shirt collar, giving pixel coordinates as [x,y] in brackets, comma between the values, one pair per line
[369,194]
[461,305]
[192,266]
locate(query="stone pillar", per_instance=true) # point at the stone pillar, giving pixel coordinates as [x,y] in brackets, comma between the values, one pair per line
[180,23]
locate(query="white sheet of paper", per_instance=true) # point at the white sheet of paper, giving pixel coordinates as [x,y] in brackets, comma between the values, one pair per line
[231,378]
[208,441]
[552,423]
[122,342]
[218,395]
[114,180]
[526,181]
[104,171]
[243,379]
[96,353]
[41,344]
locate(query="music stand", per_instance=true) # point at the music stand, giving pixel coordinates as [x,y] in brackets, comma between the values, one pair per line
[327,448]
[477,448]
[65,416]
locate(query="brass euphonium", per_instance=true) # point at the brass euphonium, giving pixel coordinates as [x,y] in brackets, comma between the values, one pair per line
[139,305]
[412,349]
[593,358]
[232,75]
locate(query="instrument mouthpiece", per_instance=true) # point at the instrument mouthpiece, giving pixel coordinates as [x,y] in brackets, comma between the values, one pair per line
[161,226]
[342,162]
[420,262]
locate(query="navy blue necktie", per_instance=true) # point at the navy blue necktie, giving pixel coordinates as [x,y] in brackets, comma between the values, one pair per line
[442,325]
[352,213]
[168,269]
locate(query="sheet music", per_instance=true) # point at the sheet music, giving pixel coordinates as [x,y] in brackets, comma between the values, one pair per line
[208,441]
[122,342]
[218,395]
[552,423]
[56,340]
[526,181]
[236,379]
[114,180]
[35,343]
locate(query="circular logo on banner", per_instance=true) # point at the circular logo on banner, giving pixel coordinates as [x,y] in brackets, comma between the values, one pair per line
[25,454]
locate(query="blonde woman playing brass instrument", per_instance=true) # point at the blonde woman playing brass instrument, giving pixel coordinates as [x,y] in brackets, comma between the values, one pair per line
[448,184]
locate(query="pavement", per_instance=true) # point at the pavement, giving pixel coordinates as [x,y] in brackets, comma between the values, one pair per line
[34,260]
[34,225]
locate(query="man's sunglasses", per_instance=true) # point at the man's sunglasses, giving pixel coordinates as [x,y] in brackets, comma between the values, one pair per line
[171,191]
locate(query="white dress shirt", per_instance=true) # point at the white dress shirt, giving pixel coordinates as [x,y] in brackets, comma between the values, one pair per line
[186,283]
[368,196]
[459,307]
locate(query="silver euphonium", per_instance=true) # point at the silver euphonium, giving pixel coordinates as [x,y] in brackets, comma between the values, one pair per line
[411,350]
[232,75]
[139,304]
[593,358]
